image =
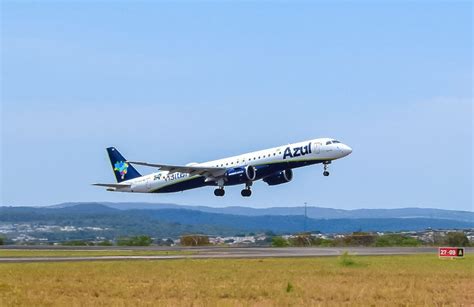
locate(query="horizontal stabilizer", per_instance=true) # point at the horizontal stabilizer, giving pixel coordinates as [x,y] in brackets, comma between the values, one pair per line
[112,185]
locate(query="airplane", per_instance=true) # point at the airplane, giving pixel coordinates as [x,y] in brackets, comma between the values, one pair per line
[274,166]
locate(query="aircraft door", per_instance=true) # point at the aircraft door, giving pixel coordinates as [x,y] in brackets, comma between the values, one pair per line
[317,147]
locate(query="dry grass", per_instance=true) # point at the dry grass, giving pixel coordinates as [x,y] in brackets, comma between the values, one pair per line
[372,281]
[20,253]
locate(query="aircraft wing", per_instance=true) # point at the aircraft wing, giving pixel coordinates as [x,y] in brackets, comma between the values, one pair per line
[113,185]
[189,169]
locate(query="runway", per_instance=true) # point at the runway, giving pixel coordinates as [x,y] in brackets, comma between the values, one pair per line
[216,253]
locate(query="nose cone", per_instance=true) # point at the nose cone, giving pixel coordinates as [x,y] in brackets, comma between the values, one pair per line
[346,150]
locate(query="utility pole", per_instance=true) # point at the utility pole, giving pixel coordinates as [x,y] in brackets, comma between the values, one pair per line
[305,216]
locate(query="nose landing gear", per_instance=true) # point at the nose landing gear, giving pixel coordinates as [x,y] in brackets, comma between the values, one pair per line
[326,166]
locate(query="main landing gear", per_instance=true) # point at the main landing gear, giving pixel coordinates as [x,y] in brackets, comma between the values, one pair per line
[326,166]
[219,192]
[247,192]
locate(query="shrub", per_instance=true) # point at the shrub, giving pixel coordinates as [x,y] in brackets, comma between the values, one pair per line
[457,239]
[105,243]
[194,240]
[135,241]
[279,242]
[360,239]
[346,260]
[302,240]
[289,287]
[409,241]
[77,243]
[326,242]
[2,240]
[395,240]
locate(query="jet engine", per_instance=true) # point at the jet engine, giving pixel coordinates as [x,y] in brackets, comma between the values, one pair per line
[280,177]
[240,175]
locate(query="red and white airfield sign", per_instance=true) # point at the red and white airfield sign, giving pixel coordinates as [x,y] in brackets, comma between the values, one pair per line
[451,252]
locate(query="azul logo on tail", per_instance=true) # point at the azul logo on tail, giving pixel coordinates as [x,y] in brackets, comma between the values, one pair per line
[297,151]
[121,167]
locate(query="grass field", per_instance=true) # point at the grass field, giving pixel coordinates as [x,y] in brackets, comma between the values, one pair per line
[21,253]
[358,280]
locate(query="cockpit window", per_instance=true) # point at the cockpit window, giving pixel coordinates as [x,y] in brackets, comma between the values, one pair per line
[335,141]
[328,143]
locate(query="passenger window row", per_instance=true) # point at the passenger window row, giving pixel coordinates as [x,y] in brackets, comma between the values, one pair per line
[250,159]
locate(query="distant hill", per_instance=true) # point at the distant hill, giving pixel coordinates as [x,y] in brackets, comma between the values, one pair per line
[174,222]
[113,222]
[312,212]
[295,223]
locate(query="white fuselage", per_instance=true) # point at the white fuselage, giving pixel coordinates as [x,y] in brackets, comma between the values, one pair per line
[322,150]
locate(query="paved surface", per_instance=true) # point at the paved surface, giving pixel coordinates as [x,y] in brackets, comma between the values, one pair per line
[221,252]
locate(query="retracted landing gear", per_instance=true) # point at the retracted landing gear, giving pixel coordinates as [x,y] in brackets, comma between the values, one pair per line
[326,166]
[247,192]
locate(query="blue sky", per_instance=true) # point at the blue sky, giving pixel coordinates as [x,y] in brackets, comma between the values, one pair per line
[190,82]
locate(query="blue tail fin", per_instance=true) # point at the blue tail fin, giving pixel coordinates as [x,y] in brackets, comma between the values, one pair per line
[122,170]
